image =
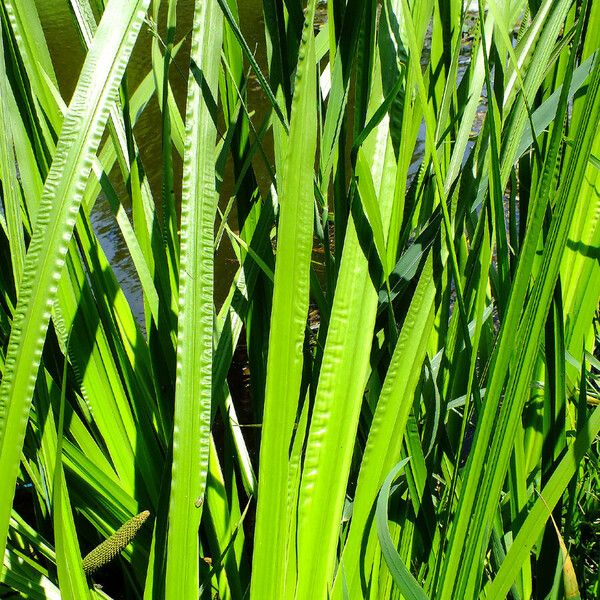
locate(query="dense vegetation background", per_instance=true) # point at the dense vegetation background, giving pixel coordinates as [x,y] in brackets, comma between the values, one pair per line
[397,393]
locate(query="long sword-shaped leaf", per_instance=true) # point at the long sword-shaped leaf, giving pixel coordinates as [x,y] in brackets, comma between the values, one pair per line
[191,436]
[63,191]
[288,320]
[387,429]
[342,380]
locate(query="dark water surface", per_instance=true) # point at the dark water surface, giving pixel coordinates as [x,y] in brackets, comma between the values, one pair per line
[68,54]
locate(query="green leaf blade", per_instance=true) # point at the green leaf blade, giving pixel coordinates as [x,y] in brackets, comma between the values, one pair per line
[288,321]
[193,397]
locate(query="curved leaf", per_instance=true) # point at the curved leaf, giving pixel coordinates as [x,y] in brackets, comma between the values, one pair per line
[403,578]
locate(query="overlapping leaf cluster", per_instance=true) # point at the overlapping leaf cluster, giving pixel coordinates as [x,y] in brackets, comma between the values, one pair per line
[415,222]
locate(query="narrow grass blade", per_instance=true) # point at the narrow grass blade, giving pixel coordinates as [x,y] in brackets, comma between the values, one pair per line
[193,392]
[68,556]
[11,190]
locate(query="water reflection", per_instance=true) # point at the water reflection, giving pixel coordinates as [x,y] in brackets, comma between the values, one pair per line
[68,55]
